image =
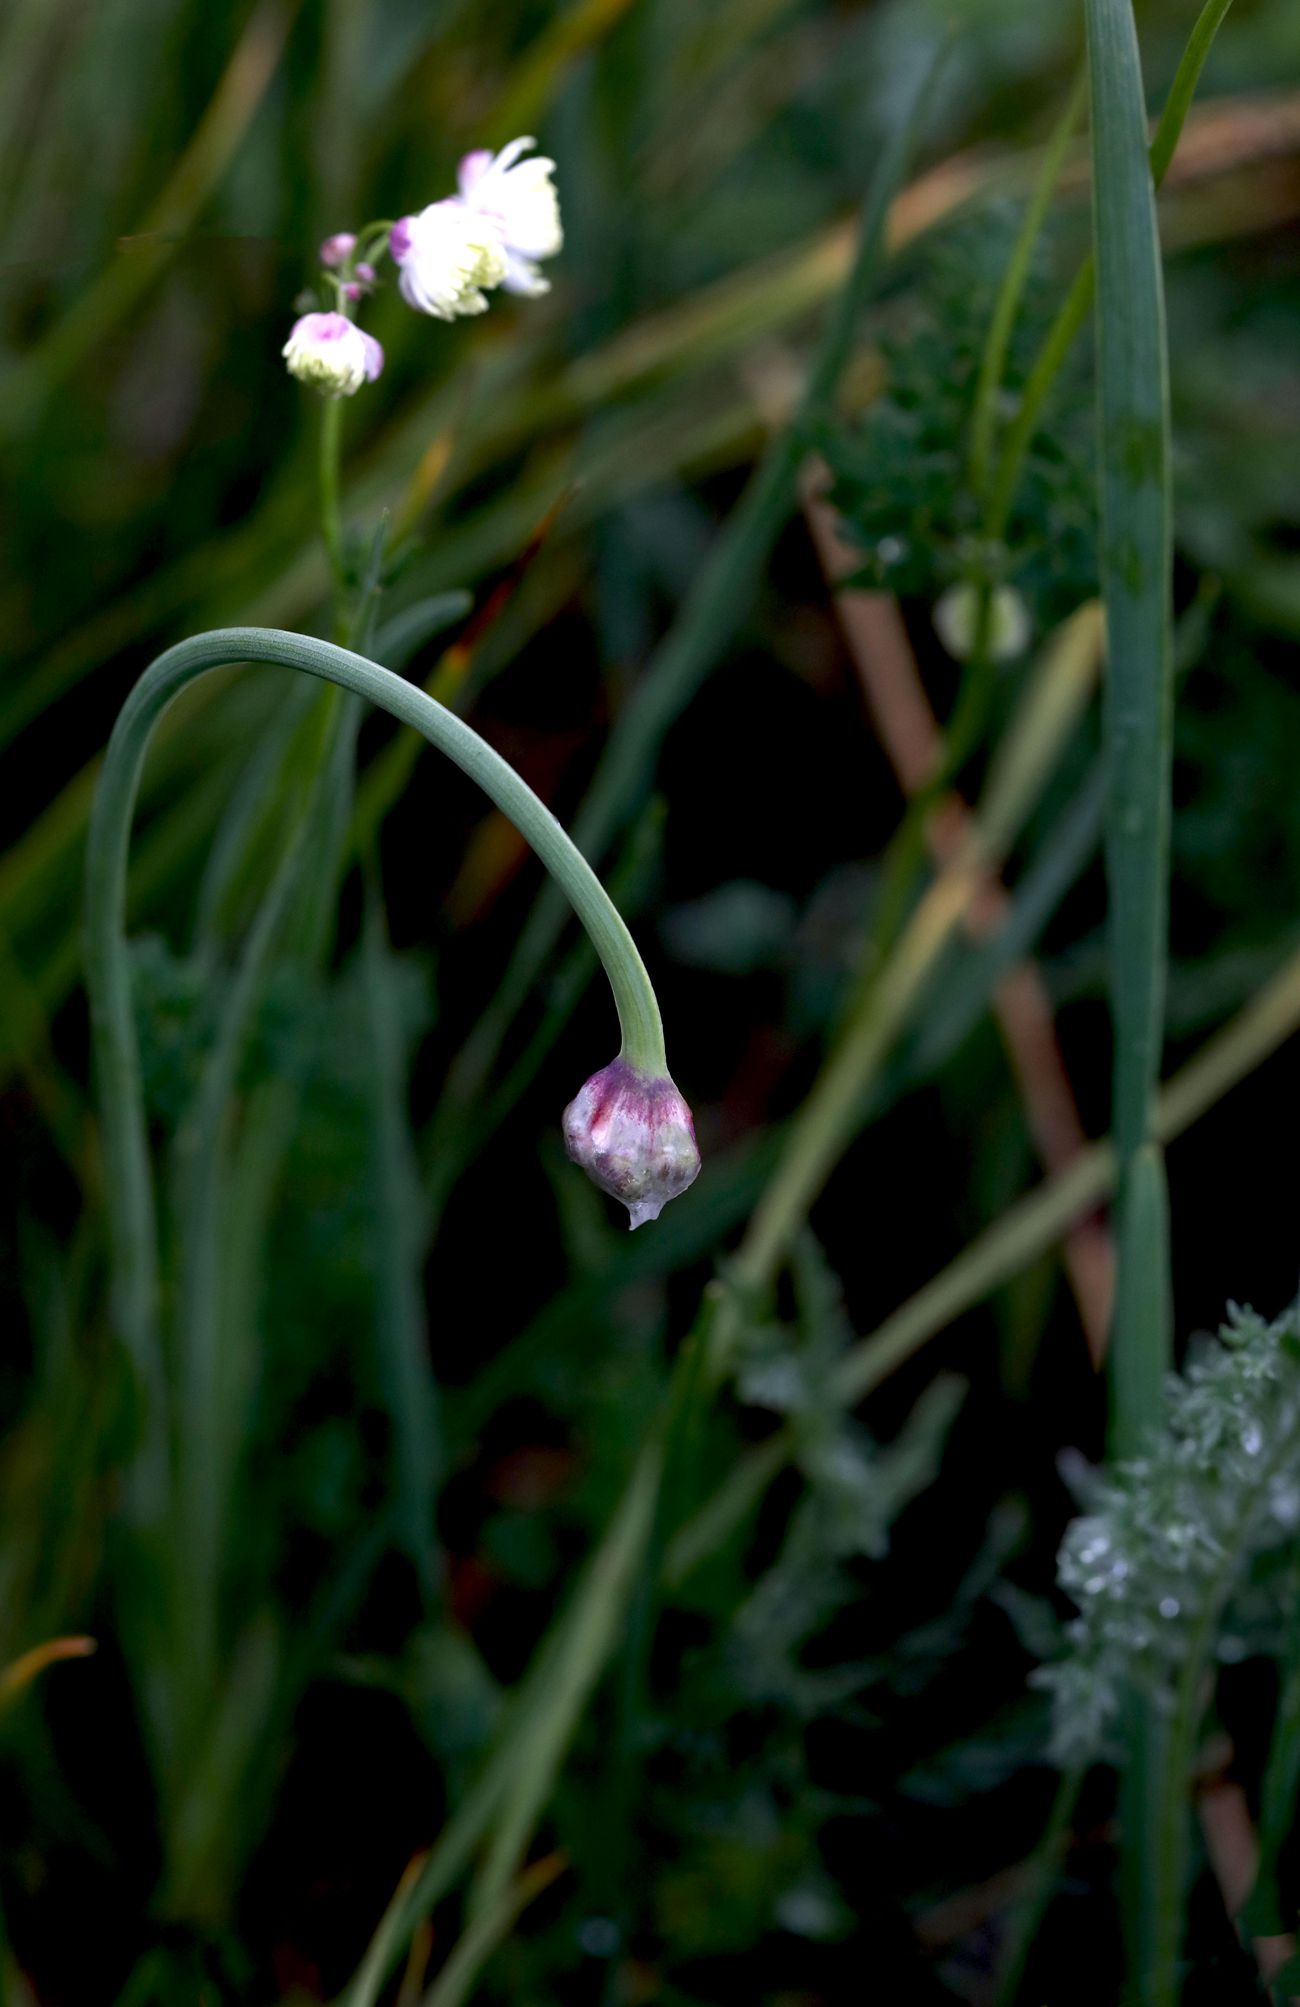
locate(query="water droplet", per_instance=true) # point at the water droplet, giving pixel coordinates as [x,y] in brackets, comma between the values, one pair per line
[599,1936]
[1170,1606]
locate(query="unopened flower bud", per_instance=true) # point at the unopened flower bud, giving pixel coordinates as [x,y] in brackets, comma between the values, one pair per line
[957,618]
[333,353]
[633,1135]
[338,247]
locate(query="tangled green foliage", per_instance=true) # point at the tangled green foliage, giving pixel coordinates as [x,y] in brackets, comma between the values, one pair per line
[901,481]
[1177,1535]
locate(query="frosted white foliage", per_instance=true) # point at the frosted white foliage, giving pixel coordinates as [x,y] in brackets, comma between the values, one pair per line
[1174,1534]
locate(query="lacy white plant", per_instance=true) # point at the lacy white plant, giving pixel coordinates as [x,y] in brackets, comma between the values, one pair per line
[1172,1535]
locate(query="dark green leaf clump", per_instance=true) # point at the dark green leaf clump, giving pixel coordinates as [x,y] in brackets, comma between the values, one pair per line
[901,479]
[739,1802]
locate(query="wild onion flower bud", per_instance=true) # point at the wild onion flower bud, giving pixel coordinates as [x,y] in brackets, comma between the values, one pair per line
[633,1135]
[445,257]
[333,353]
[519,197]
[337,248]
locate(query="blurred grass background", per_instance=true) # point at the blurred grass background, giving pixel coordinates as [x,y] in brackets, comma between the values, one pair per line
[834,1759]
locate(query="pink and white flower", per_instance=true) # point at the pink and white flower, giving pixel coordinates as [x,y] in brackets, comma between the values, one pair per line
[333,353]
[633,1135]
[447,256]
[519,197]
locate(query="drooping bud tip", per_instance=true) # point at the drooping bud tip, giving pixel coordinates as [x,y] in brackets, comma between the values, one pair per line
[633,1135]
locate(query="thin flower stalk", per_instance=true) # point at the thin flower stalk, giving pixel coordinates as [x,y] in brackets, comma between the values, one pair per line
[129,1182]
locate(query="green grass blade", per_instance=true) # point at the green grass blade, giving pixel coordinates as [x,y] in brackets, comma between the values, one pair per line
[830,1115]
[543,1716]
[595,1629]
[209,1423]
[399,1310]
[1063,855]
[1020,1237]
[1073,313]
[455,1983]
[406,632]
[1137,560]
[1183,89]
[249,823]
[993,361]
[1039,1884]
[1142,1338]
[1265,1913]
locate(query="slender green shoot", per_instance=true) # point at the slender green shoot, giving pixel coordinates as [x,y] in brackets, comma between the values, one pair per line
[402,1339]
[1137,564]
[1072,314]
[331,428]
[518,1775]
[1040,1880]
[456,1981]
[993,360]
[832,1110]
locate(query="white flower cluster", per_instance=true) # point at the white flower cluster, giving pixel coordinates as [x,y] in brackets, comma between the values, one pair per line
[450,255]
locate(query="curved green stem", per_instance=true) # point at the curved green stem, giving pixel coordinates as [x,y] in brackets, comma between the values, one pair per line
[132,1221]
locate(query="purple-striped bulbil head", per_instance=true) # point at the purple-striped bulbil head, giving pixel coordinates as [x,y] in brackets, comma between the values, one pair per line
[634,1137]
